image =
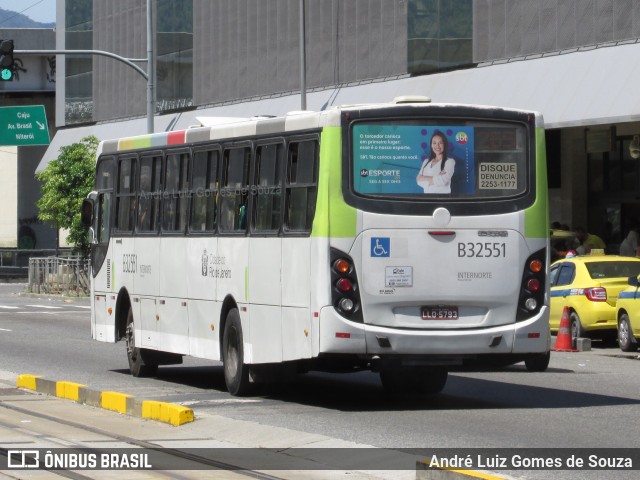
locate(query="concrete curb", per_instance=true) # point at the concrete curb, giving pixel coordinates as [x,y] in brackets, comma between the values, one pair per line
[171,413]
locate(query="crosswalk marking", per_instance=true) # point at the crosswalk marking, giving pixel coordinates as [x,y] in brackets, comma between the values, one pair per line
[51,309]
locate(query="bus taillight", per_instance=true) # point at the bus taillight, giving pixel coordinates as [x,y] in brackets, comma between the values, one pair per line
[535,266]
[342,266]
[531,290]
[533,284]
[345,295]
[344,285]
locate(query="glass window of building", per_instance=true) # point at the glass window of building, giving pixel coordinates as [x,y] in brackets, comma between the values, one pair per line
[174,47]
[440,35]
[79,69]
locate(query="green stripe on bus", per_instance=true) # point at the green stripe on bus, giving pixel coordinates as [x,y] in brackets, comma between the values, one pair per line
[536,218]
[334,218]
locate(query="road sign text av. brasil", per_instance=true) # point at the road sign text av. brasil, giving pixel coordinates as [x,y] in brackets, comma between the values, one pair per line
[24,125]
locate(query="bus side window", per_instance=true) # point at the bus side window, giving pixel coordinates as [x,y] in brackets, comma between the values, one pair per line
[204,191]
[104,217]
[125,198]
[175,198]
[268,195]
[235,192]
[301,186]
[102,208]
[149,193]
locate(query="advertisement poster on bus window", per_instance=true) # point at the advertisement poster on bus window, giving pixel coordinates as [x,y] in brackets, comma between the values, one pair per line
[413,159]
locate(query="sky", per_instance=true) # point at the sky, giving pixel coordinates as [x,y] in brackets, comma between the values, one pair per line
[38,10]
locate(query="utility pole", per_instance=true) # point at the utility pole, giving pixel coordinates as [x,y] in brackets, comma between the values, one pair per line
[303,59]
[151,104]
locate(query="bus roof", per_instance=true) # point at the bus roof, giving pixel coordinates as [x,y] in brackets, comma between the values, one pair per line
[218,128]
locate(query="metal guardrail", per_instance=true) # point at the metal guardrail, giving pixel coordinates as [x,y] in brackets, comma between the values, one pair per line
[19,257]
[59,275]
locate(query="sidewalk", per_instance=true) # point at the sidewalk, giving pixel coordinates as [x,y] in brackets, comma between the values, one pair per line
[292,454]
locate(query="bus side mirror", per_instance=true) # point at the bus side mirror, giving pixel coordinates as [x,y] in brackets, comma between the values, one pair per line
[86,214]
[633,281]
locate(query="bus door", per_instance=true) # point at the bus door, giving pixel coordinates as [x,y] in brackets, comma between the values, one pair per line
[124,259]
[100,258]
[265,256]
[301,179]
[172,318]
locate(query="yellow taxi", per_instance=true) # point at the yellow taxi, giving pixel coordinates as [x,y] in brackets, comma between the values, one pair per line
[628,315]
[589,286]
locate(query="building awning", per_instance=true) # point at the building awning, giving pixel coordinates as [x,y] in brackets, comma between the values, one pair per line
[580,87]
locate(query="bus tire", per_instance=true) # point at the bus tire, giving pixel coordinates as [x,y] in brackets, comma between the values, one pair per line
[236,372]
[422,380]
[538,362]
[625,335]
[136,356]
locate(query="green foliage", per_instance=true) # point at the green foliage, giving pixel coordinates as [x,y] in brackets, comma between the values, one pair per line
[65,183]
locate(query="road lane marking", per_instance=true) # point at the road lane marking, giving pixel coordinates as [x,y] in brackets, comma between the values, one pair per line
[43,306]
[9,307]
[5,330]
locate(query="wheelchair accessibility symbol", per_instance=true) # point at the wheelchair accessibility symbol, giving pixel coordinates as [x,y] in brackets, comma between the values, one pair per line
[380,246]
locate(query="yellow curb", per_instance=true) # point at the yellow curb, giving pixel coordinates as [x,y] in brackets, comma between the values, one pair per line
[27,381]
[166,412]
[114,401]
[426,472]
[68,390]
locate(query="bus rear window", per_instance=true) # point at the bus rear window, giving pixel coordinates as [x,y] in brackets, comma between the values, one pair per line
[451,159]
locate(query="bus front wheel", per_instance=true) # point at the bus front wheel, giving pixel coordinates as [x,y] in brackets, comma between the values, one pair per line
[236,372]
[423,380]
[137,364]
[538,362]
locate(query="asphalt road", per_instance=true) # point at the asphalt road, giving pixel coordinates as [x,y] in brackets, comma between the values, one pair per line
[584,400]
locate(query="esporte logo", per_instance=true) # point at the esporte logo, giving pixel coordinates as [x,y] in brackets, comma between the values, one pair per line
[23,459]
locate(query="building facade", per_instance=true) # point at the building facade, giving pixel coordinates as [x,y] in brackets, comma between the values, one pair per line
[575,61]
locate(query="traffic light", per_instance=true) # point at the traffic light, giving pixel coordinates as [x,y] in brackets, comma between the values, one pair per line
[7,64]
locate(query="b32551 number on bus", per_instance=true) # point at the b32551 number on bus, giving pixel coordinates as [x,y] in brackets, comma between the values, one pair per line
[482,249]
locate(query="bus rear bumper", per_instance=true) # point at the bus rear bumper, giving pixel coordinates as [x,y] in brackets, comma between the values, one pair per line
[338,335]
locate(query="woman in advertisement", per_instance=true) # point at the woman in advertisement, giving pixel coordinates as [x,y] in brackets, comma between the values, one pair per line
[436,170]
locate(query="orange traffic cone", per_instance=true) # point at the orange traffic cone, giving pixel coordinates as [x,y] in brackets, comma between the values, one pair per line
[564,342]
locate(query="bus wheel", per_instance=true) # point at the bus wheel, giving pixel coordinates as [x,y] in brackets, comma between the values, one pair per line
[135,355]
[424,380]
[625,335]
[236,372]
[538,362]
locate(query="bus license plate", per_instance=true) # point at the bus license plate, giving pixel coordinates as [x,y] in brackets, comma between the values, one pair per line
[440,312]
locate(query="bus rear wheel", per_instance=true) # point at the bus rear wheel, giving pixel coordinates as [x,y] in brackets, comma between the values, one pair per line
[422,380]
[236,372]
[137,364]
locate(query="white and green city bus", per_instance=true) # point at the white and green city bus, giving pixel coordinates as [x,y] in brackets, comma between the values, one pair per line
[314,241]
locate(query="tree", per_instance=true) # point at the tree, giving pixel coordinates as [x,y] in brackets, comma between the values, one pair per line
[65,183]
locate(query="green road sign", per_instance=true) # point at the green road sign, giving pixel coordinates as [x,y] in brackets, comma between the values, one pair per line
[25,125]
